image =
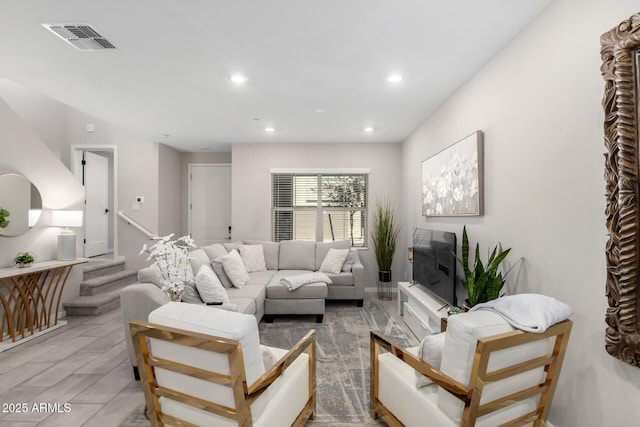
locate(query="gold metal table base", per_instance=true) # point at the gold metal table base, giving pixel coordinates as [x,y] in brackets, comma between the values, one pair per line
[30,299]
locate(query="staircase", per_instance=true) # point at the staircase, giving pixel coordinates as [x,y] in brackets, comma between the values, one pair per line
[100,289]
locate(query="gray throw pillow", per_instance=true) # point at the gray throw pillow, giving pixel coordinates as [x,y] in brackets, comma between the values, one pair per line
[216,264]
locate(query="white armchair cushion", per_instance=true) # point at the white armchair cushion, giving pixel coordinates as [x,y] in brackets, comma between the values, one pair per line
[463,331]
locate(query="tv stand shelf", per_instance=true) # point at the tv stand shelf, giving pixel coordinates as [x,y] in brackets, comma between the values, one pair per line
[421,312]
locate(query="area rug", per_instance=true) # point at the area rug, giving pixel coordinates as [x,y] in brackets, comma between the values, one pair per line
[342,349]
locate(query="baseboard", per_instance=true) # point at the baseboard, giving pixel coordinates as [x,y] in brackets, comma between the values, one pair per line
[369,290]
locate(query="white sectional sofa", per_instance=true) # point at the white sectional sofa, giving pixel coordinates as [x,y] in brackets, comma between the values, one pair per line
[263,295]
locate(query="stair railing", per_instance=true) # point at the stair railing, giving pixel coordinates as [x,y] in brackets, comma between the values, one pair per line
[137,226]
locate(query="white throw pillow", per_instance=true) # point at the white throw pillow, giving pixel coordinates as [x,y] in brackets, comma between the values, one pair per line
[235,269]
[430,351]
[253,257]
[209,286]
[334,261]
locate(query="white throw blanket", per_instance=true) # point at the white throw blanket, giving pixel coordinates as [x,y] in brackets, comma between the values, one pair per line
[294,282]
[529,312]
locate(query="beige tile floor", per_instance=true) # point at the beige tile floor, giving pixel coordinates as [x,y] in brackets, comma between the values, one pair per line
[77,375]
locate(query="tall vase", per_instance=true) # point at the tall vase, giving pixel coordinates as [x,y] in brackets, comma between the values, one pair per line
[384,285]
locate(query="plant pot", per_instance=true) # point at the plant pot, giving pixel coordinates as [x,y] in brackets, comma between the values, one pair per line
[23,264]
[384,285]
[384,276]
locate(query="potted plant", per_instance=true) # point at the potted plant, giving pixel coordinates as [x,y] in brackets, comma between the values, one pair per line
[482,282]
[3,218]
[24,259]
[384,236]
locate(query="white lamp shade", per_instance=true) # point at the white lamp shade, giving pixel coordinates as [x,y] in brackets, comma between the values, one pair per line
[62,218]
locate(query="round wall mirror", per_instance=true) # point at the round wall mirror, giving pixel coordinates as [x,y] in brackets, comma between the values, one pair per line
[20,204]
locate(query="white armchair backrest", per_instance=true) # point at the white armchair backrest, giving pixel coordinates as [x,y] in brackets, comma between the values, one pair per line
[463,332]
[211,321]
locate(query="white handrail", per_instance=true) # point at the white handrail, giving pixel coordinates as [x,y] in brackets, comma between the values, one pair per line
[137,226]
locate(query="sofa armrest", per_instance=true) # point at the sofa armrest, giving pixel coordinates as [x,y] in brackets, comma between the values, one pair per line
[359,276]
[136,302]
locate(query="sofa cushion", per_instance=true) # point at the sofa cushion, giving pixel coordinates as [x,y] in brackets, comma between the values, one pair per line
[255,292]
[244,305]
[276,290]
[214,251]
[271,251]
[233,245]
[260,278]
[297,255]
[253,257]
[198,258]
[209,286]
[322,248]
[235,269]
[341,279]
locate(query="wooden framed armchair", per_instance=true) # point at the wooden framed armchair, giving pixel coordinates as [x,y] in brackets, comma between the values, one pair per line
[202,366]
[490,375]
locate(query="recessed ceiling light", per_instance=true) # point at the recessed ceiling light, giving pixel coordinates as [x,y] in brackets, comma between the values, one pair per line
[269,129]
[319,110]
[238,79]
[394,78]
[368,129]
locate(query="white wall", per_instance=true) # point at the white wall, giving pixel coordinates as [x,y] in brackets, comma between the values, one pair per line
[138,161]
[170,183]
[22,152]
[538,103]
[251,182]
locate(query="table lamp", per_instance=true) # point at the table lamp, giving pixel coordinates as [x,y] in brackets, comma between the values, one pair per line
[66,238]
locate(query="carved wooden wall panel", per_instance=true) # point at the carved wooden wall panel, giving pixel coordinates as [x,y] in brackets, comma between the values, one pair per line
[619,52]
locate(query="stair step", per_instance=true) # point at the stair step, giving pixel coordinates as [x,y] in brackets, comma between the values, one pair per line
[100,267]
[93,305]
[107,283]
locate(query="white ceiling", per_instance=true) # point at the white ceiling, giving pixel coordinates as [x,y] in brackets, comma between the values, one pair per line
[168,78]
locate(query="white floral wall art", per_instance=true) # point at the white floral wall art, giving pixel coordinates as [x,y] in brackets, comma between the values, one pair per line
[452,179]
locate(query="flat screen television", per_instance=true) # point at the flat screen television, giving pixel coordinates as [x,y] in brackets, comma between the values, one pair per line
[434,263]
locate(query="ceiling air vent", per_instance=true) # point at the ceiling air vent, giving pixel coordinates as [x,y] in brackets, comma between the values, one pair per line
[80,36]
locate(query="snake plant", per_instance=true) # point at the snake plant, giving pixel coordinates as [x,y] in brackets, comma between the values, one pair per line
[482,282]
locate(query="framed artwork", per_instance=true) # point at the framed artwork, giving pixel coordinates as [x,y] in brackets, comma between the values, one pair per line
[452,179]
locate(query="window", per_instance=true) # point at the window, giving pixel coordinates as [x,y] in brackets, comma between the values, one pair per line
[320,206]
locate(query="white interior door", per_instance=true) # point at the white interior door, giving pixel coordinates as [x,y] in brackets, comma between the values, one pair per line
[96,184]
[209,203]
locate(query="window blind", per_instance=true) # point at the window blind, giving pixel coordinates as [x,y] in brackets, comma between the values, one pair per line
[320,206]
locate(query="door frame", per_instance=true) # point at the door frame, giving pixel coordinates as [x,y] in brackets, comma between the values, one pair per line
[189,181]
[76,169]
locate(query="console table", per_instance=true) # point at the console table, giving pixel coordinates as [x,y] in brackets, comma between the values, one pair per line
[30,299]
[421,312]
